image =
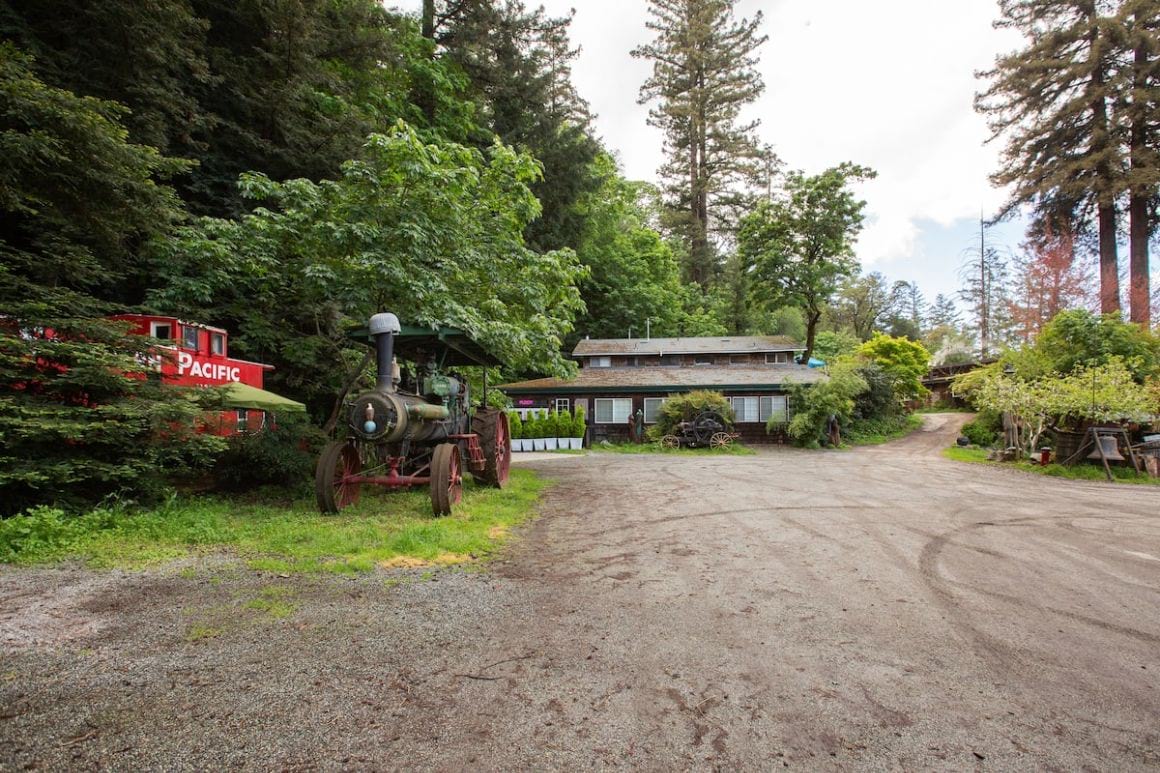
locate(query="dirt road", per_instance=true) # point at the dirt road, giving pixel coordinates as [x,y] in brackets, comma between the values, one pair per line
[882,608]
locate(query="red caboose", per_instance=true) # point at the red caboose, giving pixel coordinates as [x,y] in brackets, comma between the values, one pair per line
[199,356]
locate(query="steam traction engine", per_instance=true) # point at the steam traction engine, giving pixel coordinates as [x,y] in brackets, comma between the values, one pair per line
[424,435]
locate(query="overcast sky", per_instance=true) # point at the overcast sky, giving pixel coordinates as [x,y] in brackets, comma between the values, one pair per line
[887,84]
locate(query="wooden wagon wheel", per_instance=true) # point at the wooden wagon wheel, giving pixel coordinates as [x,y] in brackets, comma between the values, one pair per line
[494,438]
[446,478]
[332,488]
[670,441]
[720,440]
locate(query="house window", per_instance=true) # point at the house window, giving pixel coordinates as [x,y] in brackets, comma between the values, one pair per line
[775,406]
[600,362]
[243,420]
[703,359]
[563,405]
[745,409]
[739,359]
[613,410]
[652,409]
[218,343]
[162,330]
[670,359]
[189,337]
[777,358]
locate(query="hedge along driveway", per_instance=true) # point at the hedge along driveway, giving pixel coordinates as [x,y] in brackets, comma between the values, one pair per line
[386,529]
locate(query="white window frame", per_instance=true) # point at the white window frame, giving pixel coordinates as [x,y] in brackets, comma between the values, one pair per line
[711,359]
[185,331]
[562,405]
[779,358]
[769,404]
[742,416]
[603,361]
[658,402]
[618,409]
[217,343]
[155,326]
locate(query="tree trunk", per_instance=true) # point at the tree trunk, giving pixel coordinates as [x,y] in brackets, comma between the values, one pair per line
[1104,182]
[1109,261]
[352,378]
[812,319]
[1139,290]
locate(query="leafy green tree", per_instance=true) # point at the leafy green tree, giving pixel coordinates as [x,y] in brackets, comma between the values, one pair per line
[799,246]
[433,232]
[830,345]
[1078,338]
[704,74]
[903,361]
[632,273]
[862,303]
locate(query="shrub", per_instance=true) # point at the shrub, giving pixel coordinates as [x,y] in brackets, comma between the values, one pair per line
[579,423]
[879,400]
[685,407]
[813,405]
[903,361]
[985,429]
[281,455]
[515,426]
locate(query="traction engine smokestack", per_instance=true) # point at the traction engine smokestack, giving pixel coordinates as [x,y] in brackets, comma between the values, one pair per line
[383,328]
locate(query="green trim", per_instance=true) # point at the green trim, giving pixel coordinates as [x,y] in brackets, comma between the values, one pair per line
[636,390]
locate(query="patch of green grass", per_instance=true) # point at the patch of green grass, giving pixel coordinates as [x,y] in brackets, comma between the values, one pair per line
[384,529]
[733,449]
[199,631]
[878,431]
[1083,471]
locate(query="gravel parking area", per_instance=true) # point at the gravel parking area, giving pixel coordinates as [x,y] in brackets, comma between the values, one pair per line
[881,608]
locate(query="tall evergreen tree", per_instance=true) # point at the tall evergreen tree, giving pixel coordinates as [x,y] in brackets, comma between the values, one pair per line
[943,312]
[704,73]
[1051,101]
[1138,89]
[984,291]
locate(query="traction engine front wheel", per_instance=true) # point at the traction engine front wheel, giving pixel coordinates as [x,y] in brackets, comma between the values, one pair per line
[446,478]
[333,488]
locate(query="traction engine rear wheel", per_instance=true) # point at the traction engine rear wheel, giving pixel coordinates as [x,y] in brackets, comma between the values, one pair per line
[446,478]
[337,462]
[670,441]
[492,427]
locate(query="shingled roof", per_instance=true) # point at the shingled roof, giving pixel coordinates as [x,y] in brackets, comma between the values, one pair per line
[700,345]
[672,379]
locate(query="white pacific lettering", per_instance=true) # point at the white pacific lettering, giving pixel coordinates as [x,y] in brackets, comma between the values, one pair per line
[209,370]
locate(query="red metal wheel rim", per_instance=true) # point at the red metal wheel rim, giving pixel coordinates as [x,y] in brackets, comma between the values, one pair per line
[503,458]
[455,479]
[346,491]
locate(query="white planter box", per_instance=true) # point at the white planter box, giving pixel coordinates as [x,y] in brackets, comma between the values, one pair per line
[518,445]
[538,444]
[575,443]
[551,444]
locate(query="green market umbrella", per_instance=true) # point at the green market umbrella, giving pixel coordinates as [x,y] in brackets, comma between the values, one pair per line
[239,395]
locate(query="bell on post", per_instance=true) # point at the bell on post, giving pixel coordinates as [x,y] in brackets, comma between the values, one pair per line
[1111,449]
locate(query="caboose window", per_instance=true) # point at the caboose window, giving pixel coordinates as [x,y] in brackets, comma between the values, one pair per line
[218,343]
[189,337]
[162,330]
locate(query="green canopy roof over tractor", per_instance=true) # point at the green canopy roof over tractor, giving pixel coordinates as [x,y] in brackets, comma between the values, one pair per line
[451,346]
[239,395]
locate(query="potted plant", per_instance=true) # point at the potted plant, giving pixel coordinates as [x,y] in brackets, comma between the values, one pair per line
[551,431]
[540,422]
[576,441]
[516,430]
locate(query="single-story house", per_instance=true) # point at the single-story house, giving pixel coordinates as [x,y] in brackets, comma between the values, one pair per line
[619,377]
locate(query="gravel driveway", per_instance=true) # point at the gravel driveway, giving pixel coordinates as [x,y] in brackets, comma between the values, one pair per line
[877,608]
